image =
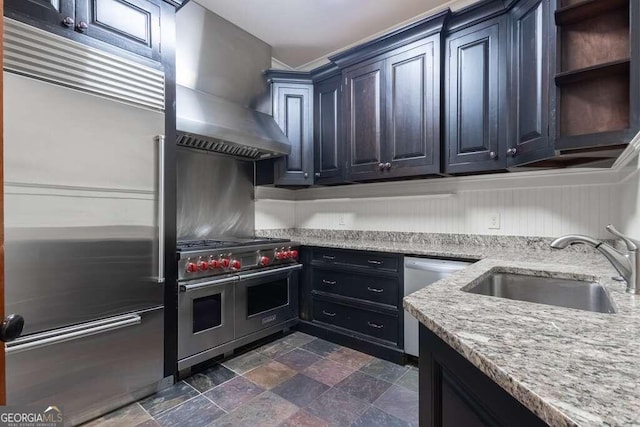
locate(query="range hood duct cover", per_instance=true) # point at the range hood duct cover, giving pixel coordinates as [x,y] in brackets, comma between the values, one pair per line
[208,122]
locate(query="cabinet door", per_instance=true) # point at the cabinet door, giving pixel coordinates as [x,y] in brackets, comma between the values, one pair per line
[530,89]
[132,25]
[412,143]
[42,13]
[327,130]
[475,91]
[364,120]
[292,111]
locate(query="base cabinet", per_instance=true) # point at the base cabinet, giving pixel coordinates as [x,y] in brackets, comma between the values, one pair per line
[454,393]
[354,298]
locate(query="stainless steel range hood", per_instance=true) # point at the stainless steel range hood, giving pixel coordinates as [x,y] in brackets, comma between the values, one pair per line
[210,123]
[223,102]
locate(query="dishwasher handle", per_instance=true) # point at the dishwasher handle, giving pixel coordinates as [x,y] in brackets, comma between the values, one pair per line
[435,266]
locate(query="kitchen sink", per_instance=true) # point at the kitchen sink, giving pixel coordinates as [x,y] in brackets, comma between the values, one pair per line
[576,294]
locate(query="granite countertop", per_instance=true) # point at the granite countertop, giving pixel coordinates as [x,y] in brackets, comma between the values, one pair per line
[569,367]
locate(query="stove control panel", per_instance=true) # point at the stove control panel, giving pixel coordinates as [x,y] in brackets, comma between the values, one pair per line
[203,264]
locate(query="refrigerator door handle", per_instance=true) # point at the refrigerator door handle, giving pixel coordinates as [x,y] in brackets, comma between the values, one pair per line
[72,333]
[160,140]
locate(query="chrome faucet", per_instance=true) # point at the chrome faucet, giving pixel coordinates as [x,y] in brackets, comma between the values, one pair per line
[627,264]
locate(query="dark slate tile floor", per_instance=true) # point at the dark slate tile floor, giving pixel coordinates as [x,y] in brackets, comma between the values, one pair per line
[297,381]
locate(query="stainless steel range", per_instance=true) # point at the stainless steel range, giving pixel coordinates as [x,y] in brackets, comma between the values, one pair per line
[233,292]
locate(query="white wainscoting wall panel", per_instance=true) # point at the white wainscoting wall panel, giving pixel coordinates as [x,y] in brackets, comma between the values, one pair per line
[275,214]
[544,204]
[630,202]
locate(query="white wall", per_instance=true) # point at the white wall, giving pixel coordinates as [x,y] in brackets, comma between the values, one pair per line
[522,212]
[528,204]
[630,201]
[275,214]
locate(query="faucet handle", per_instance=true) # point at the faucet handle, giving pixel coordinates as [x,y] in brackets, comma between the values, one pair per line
[632,244]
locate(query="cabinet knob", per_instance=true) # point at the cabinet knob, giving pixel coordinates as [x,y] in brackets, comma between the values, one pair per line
[306,175]
[512,152]
[82,26]
[381,166]
[68,22]
[493,155]
[387,166]
[317,174]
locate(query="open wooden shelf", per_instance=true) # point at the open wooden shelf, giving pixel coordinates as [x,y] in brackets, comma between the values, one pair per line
[620,66]
[577,12]
[595,106]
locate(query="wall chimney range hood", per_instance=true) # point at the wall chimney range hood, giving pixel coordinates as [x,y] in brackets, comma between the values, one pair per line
[208,122]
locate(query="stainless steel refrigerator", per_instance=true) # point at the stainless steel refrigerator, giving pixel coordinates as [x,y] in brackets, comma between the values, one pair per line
[83,201]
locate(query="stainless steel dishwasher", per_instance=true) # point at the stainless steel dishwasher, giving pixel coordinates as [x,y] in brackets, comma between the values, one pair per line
[420,273]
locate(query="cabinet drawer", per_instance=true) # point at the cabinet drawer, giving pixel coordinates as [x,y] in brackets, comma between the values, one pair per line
[374,324]
[368,287]
[357,258]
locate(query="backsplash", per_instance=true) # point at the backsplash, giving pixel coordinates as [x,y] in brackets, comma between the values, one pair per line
[630,203]
[545,212]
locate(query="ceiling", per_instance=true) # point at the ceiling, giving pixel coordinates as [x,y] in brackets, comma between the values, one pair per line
[303,32]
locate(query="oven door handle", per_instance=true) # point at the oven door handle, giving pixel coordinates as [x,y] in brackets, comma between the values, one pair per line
[268,273]
[197,286]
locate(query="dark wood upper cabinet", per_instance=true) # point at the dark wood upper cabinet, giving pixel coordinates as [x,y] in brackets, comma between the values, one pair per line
[292,110]
[54,13]
[392,113]
[412,144]
[475,115]
[132,25]
[327,130]
[365,119]
[531,87]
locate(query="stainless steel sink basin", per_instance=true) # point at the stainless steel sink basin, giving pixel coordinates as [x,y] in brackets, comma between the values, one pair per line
[546,290]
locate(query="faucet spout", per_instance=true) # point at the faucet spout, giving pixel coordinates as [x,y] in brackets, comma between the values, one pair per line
[625,264]
[574,239]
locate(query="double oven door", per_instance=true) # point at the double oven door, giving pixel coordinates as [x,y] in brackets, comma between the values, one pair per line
[266,298]
[205,315]
[217,311]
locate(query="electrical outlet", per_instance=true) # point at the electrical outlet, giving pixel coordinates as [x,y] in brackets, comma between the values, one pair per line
[341,220]
[494,220]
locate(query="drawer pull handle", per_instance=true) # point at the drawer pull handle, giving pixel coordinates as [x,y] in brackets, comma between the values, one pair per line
[374,262]
[329,282]
[377,291]
[329,257]
[326,313]
[373,325]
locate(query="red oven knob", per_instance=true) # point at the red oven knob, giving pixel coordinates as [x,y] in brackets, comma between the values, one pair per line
[225,262]
[191,267]
[294,254]
[214,263]
[281,255]
[264,261]
[203,265]
[287,254]
[235,264]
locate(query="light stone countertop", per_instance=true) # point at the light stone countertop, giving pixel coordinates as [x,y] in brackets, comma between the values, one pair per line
[570,367]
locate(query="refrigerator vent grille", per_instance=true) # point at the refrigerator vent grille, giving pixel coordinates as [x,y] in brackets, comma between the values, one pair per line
[39,54]
[218,146]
